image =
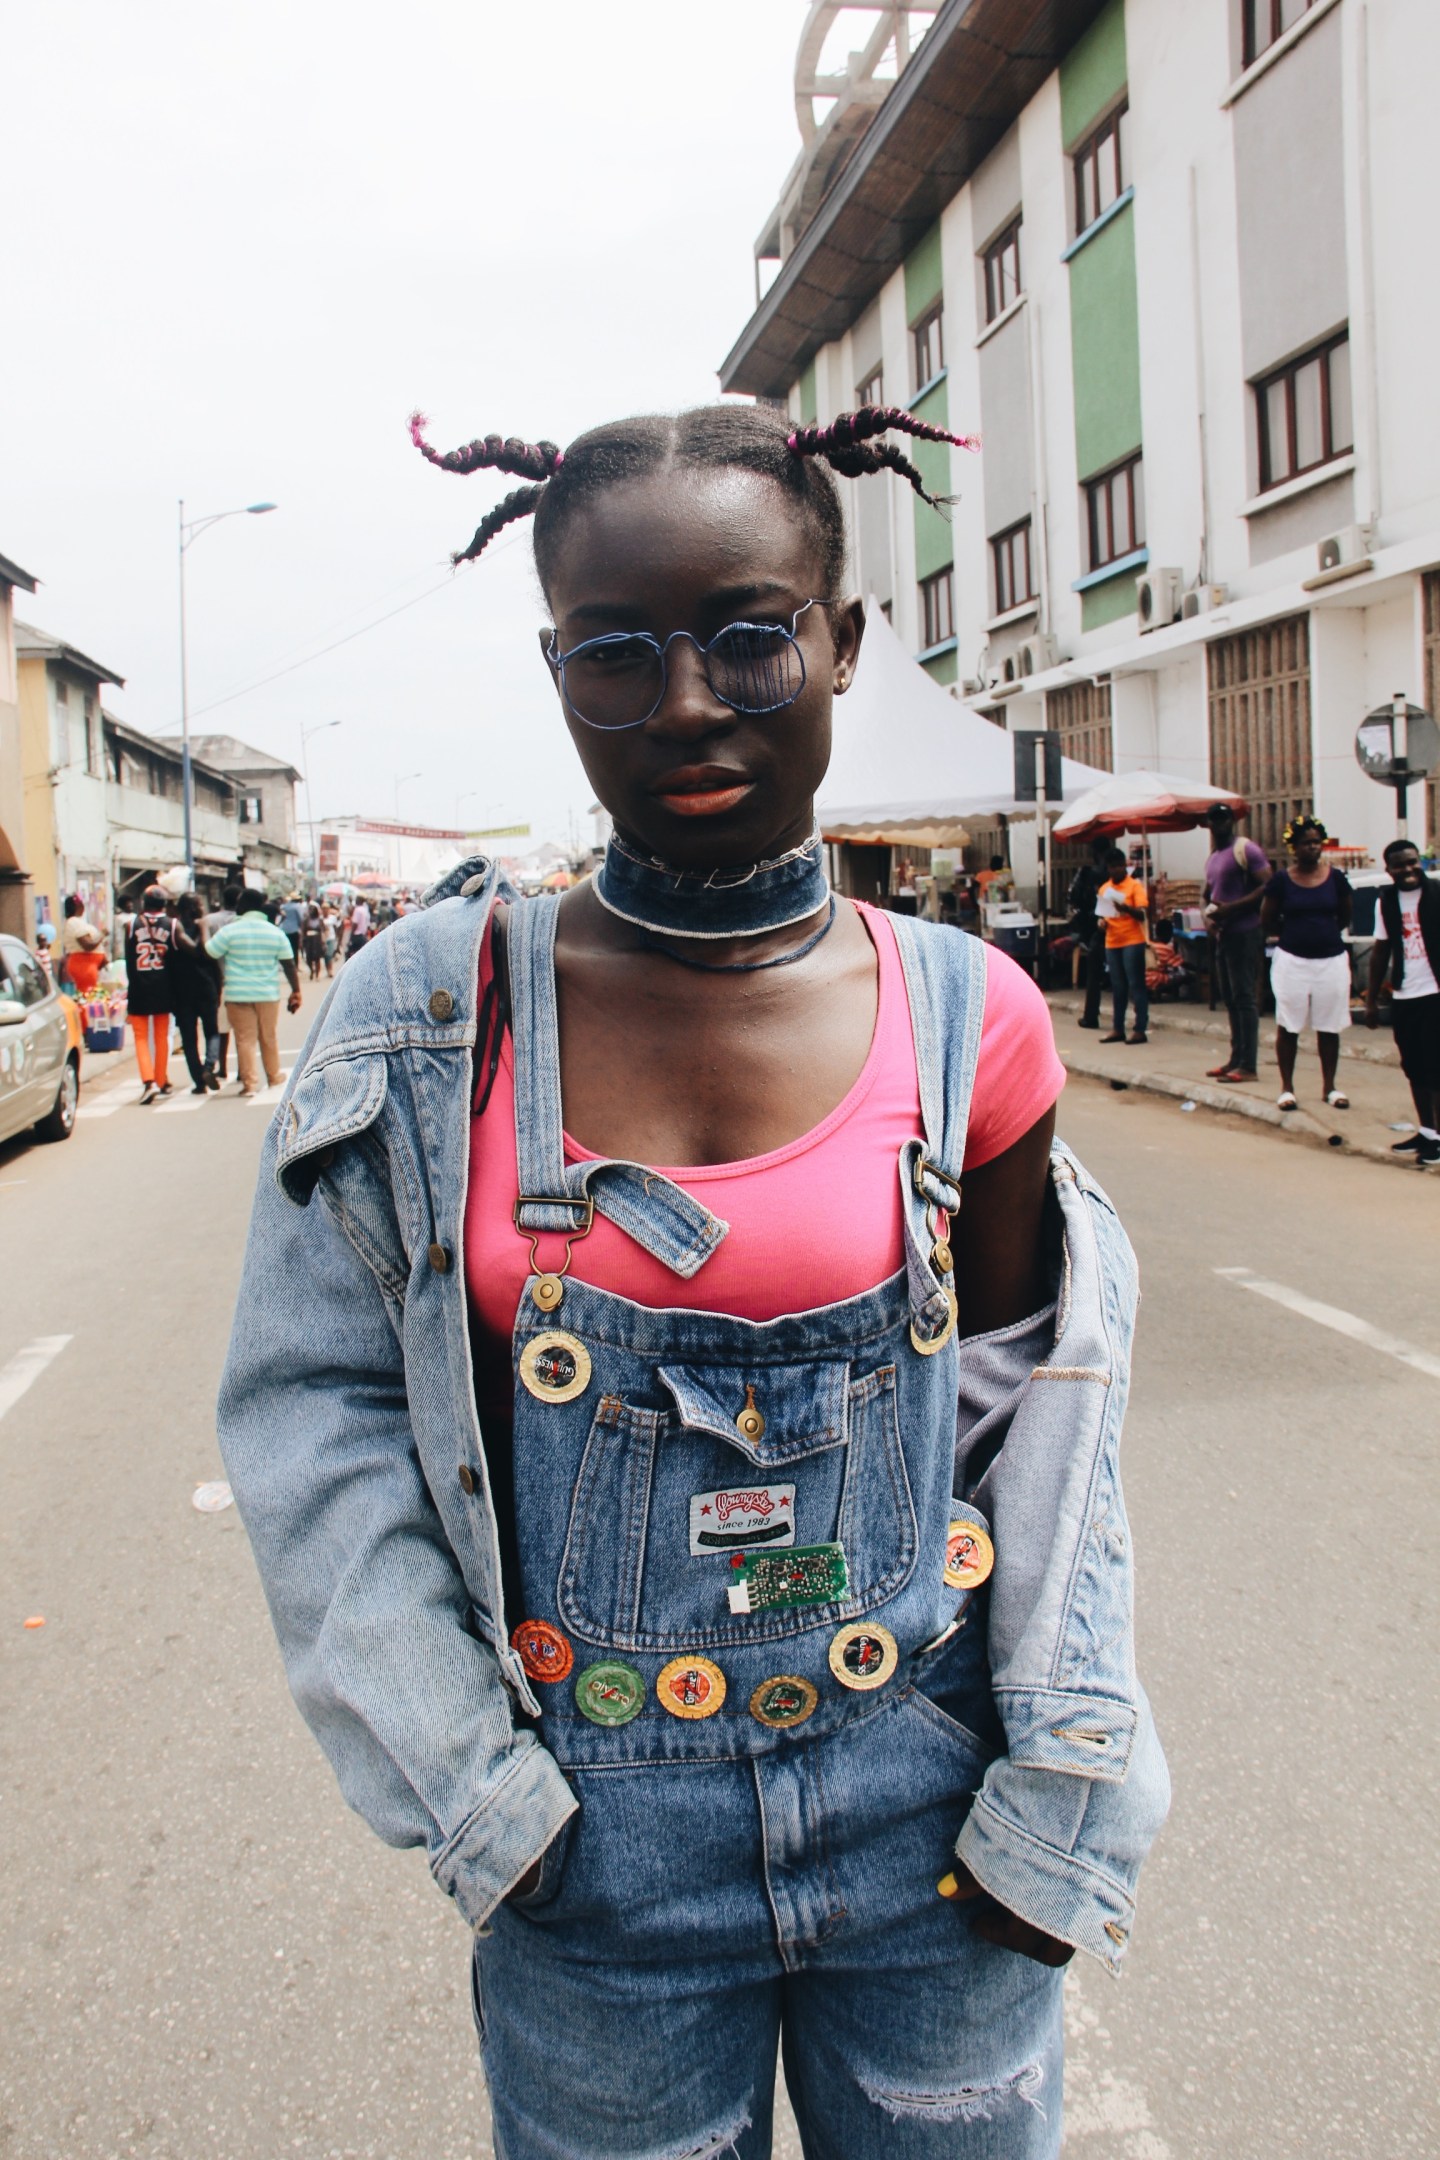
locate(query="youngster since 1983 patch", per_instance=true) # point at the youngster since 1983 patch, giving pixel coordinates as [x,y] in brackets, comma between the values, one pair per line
[741,1517]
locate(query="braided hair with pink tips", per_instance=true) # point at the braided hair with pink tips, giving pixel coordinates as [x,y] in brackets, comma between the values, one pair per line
[751,438]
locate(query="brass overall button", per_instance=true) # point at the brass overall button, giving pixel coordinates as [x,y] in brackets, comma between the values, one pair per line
[546,1292]
[750,1424]
[690,1687]
[439,1257]
[467,1478]
[941,1258]
[863,1656]
[442,1005]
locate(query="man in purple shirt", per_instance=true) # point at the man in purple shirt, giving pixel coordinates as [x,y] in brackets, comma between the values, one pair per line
[1236,874]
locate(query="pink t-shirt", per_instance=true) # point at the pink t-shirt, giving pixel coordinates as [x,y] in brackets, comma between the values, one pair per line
[840,1180]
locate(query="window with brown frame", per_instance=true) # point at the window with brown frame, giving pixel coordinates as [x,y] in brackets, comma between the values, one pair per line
[927,345]
[937,608]
[1302,413]
[1267,20]
[1115,512]
[1010,561]
[872,390]
[1002,272]
[1100,166]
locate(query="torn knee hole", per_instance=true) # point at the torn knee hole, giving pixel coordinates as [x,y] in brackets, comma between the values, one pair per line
[720,2146]
[963,2103]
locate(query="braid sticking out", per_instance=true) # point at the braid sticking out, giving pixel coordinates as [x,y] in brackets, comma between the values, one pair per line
[747,438]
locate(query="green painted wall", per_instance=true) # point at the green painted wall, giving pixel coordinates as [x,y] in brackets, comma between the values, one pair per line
[1092,74]
[1105,346]
[944,668]
[923,278]
[1108,602]
[808,404]
[934,536]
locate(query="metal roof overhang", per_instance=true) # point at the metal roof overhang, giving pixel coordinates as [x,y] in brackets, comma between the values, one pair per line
[980,64]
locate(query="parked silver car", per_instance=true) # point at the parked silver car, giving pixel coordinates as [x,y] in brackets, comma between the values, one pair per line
[39,1072]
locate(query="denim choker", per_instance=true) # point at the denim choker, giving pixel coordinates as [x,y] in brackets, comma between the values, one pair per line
[745,902]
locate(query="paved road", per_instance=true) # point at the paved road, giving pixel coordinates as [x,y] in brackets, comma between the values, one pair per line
[206,1957]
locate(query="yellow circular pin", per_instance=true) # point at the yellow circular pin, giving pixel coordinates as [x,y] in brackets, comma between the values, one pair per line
[969,1555]
[690,1687]
[784,1701]
[927,1345]
[863,1655]
[555,1367]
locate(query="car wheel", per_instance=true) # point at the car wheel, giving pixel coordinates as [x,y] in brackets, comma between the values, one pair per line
[60,1122]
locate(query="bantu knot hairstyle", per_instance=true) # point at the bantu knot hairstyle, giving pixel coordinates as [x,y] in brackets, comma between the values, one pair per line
[752,438]
[1298,826]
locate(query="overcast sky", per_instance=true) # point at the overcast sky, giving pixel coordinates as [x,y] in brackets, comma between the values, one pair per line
[243,240]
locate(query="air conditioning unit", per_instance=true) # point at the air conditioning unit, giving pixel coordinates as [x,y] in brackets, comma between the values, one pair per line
[1010,668]
[1349,545]
[1201,599]
[1157,594]
[1037,654]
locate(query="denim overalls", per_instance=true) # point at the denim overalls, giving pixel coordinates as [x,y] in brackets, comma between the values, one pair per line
[768,1791]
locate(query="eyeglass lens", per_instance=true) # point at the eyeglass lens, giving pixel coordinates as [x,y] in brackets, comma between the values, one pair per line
[616,682]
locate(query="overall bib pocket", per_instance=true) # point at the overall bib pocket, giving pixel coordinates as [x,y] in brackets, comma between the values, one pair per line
[743,1460]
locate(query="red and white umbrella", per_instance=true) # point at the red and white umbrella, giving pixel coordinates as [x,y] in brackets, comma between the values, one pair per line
[1143,802]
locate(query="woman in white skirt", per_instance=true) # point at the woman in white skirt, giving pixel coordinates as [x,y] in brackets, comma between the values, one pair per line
[1308,908]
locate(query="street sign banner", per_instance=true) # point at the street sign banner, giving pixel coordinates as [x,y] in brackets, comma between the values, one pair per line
[328,855]
[498,832]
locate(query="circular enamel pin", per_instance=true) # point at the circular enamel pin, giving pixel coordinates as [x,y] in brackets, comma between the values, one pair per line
[690,1687]
[609,1693]
[543,1650]
[784,1701]
[969,1556]
[927,1345]
[555,1367]
[863,1656]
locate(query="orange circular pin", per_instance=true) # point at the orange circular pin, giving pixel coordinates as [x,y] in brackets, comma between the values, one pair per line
[969,1555]
[690,1687]
[543,1650]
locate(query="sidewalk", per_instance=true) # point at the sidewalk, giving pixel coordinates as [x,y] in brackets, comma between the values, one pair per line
[1185,1039]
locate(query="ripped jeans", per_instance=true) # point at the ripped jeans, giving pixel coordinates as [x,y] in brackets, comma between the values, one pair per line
[695,1914]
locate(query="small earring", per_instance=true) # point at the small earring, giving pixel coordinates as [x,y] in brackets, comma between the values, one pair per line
[842,680]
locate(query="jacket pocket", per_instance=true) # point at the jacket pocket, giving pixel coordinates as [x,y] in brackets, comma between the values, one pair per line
[828,1468]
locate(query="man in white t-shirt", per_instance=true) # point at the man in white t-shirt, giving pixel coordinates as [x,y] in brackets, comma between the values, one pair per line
[1409,947]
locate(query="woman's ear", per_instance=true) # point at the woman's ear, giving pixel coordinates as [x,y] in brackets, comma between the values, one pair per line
[547,653]
[847,627]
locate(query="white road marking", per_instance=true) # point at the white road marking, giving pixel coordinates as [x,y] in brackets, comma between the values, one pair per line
[180,1102]
[26,1367]
[1343,1323]
[98,1109]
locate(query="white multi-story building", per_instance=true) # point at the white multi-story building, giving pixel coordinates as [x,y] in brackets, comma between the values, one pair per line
[1168,260]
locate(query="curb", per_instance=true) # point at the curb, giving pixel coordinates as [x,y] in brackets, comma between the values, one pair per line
[1179,1019]
[1294,1125]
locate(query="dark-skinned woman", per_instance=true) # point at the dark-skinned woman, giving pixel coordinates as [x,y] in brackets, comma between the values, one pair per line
[687,1493]
[1307,907]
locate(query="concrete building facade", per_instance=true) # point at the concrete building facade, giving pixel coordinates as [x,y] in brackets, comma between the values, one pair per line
[264,804]
[15,916]
[1168,263]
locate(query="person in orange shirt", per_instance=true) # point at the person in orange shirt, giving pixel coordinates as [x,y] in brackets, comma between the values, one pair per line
[1121,905]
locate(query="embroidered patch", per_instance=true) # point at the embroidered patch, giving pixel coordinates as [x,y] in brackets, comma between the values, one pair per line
[543,1650]
[690,1687]
[784,1701]
[862,1656]
[609,1693]
[807,1575]
[739,1516]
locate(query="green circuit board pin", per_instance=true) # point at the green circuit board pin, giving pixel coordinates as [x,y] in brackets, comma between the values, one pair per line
[805,1575]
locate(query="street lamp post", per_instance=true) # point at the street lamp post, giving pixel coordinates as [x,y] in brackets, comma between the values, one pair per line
[305,734]
[189,534]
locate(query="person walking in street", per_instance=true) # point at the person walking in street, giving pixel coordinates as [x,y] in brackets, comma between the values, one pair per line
[707,1631]
[1237,872]
[195,994]
[1121,904]
[147,975]
[312,938]
[330,922]
[290,919]
[1409,948]
[1307,907]
[216,920]
[359,928]
[254,952]
[1086,926]
[83,949]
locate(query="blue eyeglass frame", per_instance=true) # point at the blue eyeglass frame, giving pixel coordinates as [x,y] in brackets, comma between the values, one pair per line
[559,661]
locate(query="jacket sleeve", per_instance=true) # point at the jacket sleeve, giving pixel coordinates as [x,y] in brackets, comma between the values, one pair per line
[368,1600]
[1065,1817]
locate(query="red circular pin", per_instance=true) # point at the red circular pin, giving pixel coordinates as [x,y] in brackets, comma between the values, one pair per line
[543,1650]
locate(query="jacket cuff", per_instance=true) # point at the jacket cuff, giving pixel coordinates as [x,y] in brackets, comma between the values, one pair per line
[507,1833]
[1054,1891]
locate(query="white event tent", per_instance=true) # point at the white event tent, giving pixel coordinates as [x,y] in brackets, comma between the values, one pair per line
[910,764]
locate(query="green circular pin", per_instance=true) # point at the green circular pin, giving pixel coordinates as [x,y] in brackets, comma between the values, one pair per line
[610,1693]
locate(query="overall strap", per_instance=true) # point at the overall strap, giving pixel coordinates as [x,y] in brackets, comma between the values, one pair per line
[666,1221]
[945,982]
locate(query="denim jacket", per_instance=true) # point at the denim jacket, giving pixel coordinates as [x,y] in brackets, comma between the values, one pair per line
[349,1430]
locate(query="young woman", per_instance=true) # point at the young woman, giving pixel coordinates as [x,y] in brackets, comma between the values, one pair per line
[687,1493]
[1308,908]
[312,937]
[147,982]
[195,987]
